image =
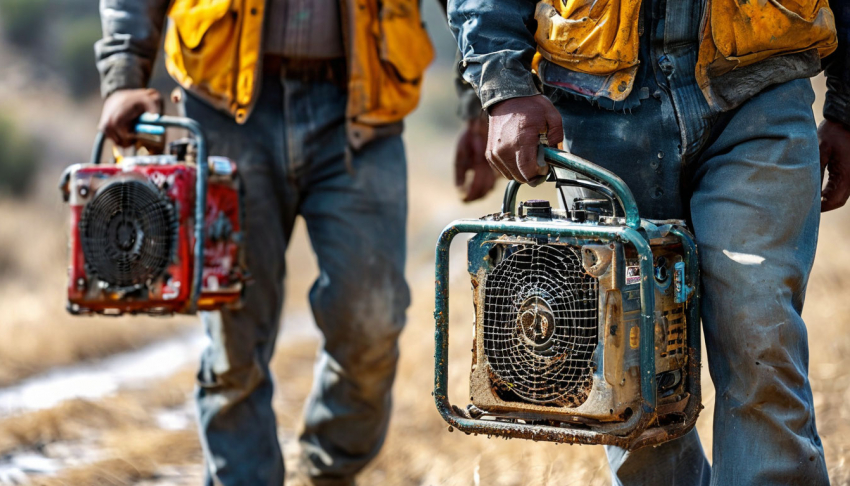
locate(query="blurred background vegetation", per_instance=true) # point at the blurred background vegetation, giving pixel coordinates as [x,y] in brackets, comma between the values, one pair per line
[57,37]
[23,21]
[19,160]
[54,32]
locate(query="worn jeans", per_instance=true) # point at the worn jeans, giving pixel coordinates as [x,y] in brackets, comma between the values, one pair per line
[291,158]
[748,182]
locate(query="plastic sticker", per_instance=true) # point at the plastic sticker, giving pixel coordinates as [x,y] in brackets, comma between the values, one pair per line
[632,274]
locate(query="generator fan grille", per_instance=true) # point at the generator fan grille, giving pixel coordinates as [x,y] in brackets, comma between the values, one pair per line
[128,233]
[540,325]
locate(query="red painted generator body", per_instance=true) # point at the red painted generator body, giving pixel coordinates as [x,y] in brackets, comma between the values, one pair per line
[134,237]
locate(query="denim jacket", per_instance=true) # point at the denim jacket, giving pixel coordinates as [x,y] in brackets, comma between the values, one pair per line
[497,44]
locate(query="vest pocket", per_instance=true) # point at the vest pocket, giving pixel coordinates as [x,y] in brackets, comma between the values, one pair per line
[404,52]
[405,44]
[745,32]
[590,36]
[193,19]
[201,46]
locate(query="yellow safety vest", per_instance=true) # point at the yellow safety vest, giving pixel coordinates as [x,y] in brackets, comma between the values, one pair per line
[213,47]
[601,37]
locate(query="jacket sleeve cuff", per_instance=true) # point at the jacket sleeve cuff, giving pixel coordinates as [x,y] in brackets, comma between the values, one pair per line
[836,107]
[498,77]
[121,72]
[468,104]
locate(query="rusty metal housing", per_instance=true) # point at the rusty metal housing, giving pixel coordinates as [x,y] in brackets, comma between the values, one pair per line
[586,326]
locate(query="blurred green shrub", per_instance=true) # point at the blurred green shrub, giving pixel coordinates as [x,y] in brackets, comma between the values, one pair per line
[19,157]
[24,21]
[77,55]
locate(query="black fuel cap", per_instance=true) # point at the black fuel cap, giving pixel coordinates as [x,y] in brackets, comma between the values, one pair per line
[538,208]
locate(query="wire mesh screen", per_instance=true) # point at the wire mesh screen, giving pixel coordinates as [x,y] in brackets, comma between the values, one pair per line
[127,233]
[540,325]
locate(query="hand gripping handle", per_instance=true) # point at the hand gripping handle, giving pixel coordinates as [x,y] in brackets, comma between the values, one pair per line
[601,180]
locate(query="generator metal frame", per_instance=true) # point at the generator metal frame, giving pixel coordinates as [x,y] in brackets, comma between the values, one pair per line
[634,432]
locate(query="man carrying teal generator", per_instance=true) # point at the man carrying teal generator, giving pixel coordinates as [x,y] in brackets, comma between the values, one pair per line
[703,108]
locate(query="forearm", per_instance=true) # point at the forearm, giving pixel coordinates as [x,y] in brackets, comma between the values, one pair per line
[837,104]
[496,45]
[132,30]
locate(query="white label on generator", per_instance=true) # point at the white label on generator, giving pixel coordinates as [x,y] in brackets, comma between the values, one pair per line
[632,274]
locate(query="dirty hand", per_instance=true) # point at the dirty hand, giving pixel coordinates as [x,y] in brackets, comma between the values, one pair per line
[473,175]
[834,141]
[515,128]
[122,108]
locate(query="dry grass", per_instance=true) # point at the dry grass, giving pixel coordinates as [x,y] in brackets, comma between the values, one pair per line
[69,421]
[125,412]
[136,455]
[37,333]
[119,431]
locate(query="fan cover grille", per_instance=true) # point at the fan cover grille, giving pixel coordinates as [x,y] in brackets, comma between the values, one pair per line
[128,233]
[540,326]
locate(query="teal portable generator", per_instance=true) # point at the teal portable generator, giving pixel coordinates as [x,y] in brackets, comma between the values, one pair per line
[586,324]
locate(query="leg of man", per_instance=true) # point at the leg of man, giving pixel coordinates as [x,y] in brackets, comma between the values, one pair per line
[642,147]
[755,211]
[356,217]
[236,420]
[680,462]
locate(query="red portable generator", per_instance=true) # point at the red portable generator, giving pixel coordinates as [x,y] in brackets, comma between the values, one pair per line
[155,234]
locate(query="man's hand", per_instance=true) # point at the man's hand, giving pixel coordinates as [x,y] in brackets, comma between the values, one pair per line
[122,108]
[471,161]
[515,128]
[834,141]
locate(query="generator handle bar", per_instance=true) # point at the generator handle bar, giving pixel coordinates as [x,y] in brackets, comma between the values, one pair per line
[97,149]
[565,160]
[153,123]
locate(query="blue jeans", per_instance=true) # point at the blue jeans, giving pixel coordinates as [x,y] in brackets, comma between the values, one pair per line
[291,157]
[748,182]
